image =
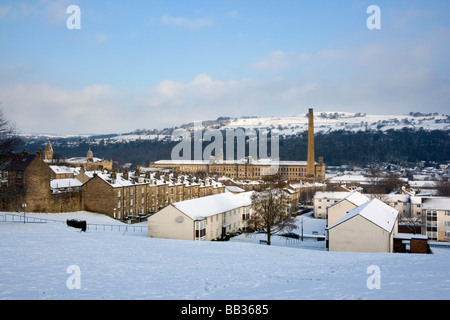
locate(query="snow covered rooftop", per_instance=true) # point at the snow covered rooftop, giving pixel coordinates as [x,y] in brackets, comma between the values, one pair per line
[200,208]
[375,211]
[234,189]
[335,195]
[62,169]
[442,203]
[83,160]
[347,178]
[259,162]
[65,183]
[356,198]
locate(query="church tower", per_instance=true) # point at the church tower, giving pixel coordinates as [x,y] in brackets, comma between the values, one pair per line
[310,166]
[48,153]
[90,155]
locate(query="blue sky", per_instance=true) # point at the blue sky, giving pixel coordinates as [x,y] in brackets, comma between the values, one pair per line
[155,64]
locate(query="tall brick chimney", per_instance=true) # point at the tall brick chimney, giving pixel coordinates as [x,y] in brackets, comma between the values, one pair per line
[310,166]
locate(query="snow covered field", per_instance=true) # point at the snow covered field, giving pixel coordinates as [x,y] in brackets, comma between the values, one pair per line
[35,258]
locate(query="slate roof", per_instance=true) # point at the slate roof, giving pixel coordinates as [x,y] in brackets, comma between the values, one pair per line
[16,162]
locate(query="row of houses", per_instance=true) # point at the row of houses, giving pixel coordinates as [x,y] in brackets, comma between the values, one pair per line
[27,181]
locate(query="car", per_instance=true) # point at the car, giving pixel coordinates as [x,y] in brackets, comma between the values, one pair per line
[291,235]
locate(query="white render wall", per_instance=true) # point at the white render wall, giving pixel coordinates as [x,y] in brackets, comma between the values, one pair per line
[338,211]
[360,235]
[165,224]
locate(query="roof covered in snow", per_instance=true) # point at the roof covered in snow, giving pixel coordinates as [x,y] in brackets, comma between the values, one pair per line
[356,198]
[201,208]
[65,183]
[63,169]
[441,203]
[375,211]
[260,162]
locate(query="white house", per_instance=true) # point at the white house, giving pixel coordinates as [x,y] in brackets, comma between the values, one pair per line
[206,218]
[325,199]
[339,209]
[368,228]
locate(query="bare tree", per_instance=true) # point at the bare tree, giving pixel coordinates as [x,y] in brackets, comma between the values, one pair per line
[443,187]
[391,182]
[374,177]
[271,209]
[8,136]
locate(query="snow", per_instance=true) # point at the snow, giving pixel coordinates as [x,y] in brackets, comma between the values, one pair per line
[376,211]
[345,121]
[200,208]
[119,265]
[438,203]
[356,198]
[65,183]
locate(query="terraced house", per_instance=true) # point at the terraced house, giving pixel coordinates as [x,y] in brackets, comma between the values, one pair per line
[125,196]
[28,182]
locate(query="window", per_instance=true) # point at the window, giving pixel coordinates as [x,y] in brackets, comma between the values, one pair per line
[118,193]
[200,230]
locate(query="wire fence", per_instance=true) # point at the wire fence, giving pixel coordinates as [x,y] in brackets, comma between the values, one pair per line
[23,218]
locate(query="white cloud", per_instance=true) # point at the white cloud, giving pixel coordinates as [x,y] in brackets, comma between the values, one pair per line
[54,12]
[276,61]
[233,14]
[371,79]
[185,22]
[46,108]
[100,39]
[16,11]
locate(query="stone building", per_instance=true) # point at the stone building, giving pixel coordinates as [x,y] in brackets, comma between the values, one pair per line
[245,168]
[26,185]
[88,163]
[249,168]
[125,196]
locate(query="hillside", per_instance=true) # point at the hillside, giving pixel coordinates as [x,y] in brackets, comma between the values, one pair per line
[341,138]
[127,265]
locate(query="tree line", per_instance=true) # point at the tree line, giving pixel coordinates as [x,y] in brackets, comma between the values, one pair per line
[367,147]
[359,148]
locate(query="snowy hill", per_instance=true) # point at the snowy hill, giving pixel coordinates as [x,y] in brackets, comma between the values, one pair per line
[324,122]
[35,259]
